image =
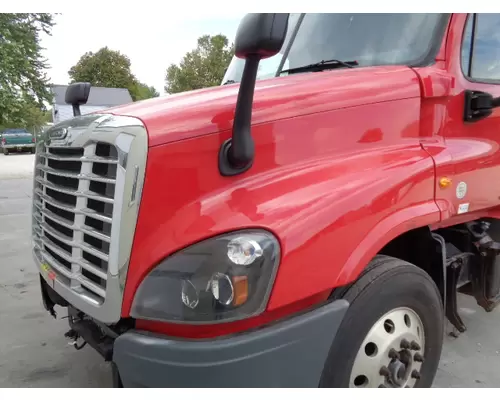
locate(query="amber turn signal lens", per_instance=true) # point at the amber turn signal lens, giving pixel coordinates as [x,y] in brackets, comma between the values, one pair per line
[240,287]
[444,182]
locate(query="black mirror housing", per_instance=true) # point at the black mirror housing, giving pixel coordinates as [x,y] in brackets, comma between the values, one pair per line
[76,94]
[261,35]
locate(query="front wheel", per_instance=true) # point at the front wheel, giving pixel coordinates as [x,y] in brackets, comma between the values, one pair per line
[5,152]
[392,334]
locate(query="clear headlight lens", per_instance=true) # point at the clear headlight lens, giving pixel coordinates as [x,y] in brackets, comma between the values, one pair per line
[224,278]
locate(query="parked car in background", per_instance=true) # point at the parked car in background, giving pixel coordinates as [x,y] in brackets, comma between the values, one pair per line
[17,140]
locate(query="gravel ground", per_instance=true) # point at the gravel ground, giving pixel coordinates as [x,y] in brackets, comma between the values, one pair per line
[34,352]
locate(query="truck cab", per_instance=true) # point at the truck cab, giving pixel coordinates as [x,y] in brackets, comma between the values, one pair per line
[308,223]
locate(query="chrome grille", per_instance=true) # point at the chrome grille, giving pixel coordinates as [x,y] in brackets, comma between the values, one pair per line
[74,197]
[87,188]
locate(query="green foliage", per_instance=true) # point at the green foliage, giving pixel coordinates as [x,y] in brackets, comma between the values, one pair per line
[141,91]
[105,68]
[31,117]
[36,118]
[110,68]
[202,67]
[23,82]
[47,116]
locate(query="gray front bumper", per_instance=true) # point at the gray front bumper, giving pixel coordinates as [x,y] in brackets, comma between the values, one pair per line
[291,353]
[16,146]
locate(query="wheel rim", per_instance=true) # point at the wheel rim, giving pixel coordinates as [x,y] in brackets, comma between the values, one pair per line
[392,352]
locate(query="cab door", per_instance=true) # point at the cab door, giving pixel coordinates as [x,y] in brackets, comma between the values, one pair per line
[473,57]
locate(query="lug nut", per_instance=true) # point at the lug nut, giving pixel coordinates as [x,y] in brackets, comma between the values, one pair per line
[384,371]
[418,357]
[393,354]
[415,346]
[405,344]
[415,374]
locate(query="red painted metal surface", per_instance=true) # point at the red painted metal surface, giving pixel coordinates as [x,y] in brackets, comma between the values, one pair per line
[464,152]
[207,111]
[346,161]
[349,161]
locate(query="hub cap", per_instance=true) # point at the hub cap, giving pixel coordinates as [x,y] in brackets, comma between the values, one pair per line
[392,352]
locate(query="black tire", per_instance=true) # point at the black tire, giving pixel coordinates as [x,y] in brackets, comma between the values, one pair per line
[33,151]
[115,376]
[5,152]
[386,284]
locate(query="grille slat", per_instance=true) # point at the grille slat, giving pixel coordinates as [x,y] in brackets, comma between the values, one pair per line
[73,208]
[57,265]
[56,249]
[69,242]
[65,151]
[76,193]
[67,257]
[94,270]
[86,159]
[95,233]
[90,177]
[38,231]
[69,276]
[92,286]
[67,224]
[85,211]
[38,217]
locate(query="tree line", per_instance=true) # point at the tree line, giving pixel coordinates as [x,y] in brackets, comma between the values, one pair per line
[201,67]
[25,87]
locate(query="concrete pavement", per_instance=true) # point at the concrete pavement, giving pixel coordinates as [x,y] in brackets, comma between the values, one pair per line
[34,352]
[16,165]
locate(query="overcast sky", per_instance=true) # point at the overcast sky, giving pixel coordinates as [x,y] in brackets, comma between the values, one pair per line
[151,41]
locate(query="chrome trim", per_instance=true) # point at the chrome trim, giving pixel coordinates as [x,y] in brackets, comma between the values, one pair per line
[73,243]
[61,221]
[84,211]
[77,193]
[90,159]
[129,136]
[90,177]
[134,185]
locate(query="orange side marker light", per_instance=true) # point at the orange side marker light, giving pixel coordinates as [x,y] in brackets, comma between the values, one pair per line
[444,182]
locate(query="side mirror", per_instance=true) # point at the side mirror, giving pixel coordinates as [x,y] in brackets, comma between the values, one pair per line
[258,36]
[77,94]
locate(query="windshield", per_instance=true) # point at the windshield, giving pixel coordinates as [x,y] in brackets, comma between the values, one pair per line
[369,39]
[267,67]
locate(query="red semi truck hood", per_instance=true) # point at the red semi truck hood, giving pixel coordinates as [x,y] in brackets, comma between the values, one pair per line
[200,112]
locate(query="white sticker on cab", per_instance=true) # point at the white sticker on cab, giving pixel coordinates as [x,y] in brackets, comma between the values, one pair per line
[461,190]
[463,208]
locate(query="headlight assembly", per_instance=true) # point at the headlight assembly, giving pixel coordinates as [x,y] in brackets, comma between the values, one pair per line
[221,279]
